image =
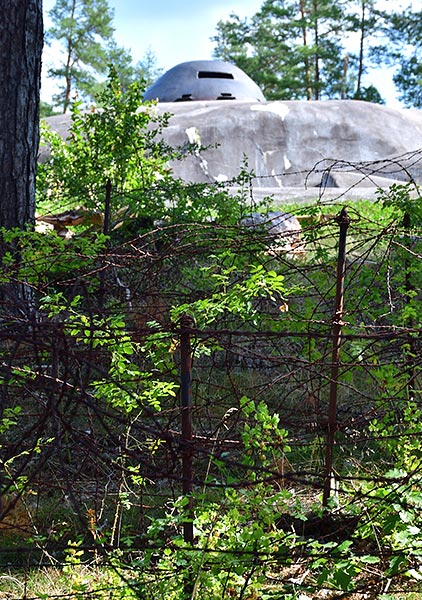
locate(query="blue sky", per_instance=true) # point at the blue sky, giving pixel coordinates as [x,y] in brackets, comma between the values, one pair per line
[180,30]
[175,30]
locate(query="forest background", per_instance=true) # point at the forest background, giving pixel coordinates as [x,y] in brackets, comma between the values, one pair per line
[368,49]
[297,359]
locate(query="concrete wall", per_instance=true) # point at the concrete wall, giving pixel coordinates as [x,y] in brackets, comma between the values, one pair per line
[294,144]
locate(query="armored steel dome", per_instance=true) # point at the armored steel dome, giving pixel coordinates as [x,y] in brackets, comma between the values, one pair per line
[204,80]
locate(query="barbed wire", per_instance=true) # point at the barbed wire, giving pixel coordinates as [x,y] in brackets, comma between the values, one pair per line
[69,454]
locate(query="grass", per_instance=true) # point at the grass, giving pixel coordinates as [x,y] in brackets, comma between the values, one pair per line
[89,581]
[291,390]
[49,582]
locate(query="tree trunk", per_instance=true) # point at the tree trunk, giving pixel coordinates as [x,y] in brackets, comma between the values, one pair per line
[69,60]
[361,49]
[344,80]
[316,42]
[308,85]
[21,42]
[21,34]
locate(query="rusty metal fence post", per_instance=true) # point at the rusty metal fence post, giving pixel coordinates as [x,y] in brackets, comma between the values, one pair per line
[343,220]
[106,231]
[107,208]
[186,324]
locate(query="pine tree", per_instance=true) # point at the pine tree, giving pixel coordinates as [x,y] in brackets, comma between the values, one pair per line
[21,37]
[21,34]
[405,35]
[368,23]
[295,49]
[84,28]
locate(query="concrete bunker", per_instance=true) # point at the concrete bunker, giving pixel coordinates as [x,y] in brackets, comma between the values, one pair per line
[204,80]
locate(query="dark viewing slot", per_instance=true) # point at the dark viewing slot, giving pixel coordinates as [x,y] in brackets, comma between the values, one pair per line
[214,75]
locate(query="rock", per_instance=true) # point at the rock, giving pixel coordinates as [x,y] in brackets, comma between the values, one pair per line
[281,231]
[290,144]
[284,141]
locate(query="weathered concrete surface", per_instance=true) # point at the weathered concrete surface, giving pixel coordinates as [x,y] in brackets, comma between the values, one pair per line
[283,230]
[294,144]
[284,141]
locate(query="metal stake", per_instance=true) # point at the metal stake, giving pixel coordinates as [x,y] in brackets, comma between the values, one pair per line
[343,220]
[186,324]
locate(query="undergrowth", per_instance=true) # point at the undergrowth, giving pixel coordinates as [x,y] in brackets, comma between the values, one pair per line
[95,503]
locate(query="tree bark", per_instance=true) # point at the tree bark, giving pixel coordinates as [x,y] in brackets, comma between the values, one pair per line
[361,48]
[21,35]
[317,58]
[69,60]
[305,45]
[21,42]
